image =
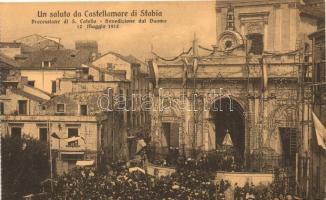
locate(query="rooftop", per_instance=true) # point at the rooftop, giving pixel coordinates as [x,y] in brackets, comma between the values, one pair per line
[9,61]
[58,59]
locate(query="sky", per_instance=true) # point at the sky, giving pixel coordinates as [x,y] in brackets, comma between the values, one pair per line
[184,20]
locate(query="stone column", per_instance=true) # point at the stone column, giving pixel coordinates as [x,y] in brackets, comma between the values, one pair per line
[206,130]
[242,30]
[265,36]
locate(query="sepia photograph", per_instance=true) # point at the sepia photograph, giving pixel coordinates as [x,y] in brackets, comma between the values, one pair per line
[163,100]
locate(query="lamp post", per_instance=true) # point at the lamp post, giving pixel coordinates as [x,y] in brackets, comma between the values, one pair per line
[54,135]
[50,153]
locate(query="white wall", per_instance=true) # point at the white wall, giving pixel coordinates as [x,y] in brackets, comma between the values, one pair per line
[117,62]
[43,78]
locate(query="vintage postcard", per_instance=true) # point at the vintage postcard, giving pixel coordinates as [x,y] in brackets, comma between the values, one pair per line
[186,100]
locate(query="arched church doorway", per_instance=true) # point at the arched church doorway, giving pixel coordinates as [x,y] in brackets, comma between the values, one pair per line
[228,118]
[170,136]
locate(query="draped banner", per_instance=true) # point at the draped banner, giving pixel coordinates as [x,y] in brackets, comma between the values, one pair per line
[153,67]
[320,131]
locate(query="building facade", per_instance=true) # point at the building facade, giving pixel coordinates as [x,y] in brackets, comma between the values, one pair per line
[247,84]
[315,158]
[113,66]
[81,106]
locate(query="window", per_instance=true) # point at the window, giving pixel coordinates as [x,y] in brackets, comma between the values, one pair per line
[230,19]
[31,83]
[22,107]
[110,66]
[83,109]
[46,64]
[257,44]
[228,44]
[54,87]
[60,108]
[16,132]
[43,134]
[102,76]
[2,108]
[72,132]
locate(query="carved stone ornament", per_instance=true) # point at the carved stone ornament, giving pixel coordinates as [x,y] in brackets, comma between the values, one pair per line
[255,28]
[229,40]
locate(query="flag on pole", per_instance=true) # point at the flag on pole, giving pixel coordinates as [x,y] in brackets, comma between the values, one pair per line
[320,131]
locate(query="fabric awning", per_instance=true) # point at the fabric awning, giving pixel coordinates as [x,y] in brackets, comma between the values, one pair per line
[84,163]
[320,131]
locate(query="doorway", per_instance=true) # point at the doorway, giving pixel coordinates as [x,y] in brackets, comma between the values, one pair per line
[228,117]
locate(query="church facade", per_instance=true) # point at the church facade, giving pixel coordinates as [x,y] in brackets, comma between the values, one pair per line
[249,84]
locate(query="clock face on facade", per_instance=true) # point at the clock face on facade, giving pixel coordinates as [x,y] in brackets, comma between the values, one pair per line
[229,40]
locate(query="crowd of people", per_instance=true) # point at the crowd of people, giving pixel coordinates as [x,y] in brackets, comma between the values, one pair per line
[226,160]
[188,182]
[123,184]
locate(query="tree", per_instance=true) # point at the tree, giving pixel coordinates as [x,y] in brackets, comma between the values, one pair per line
[25,163]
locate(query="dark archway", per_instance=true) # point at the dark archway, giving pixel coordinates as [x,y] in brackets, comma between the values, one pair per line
[228,114]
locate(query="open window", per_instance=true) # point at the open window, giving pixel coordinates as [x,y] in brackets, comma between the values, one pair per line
[31,83]
[60,108]
[16,132]
[255,44]
[72,132]
[110,66]
[22,107]
[43,134]
[83,109]
[53,86]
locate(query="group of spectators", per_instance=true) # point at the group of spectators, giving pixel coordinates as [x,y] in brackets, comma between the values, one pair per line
[261,192]
[188,182]
[213,161]
[122,184]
